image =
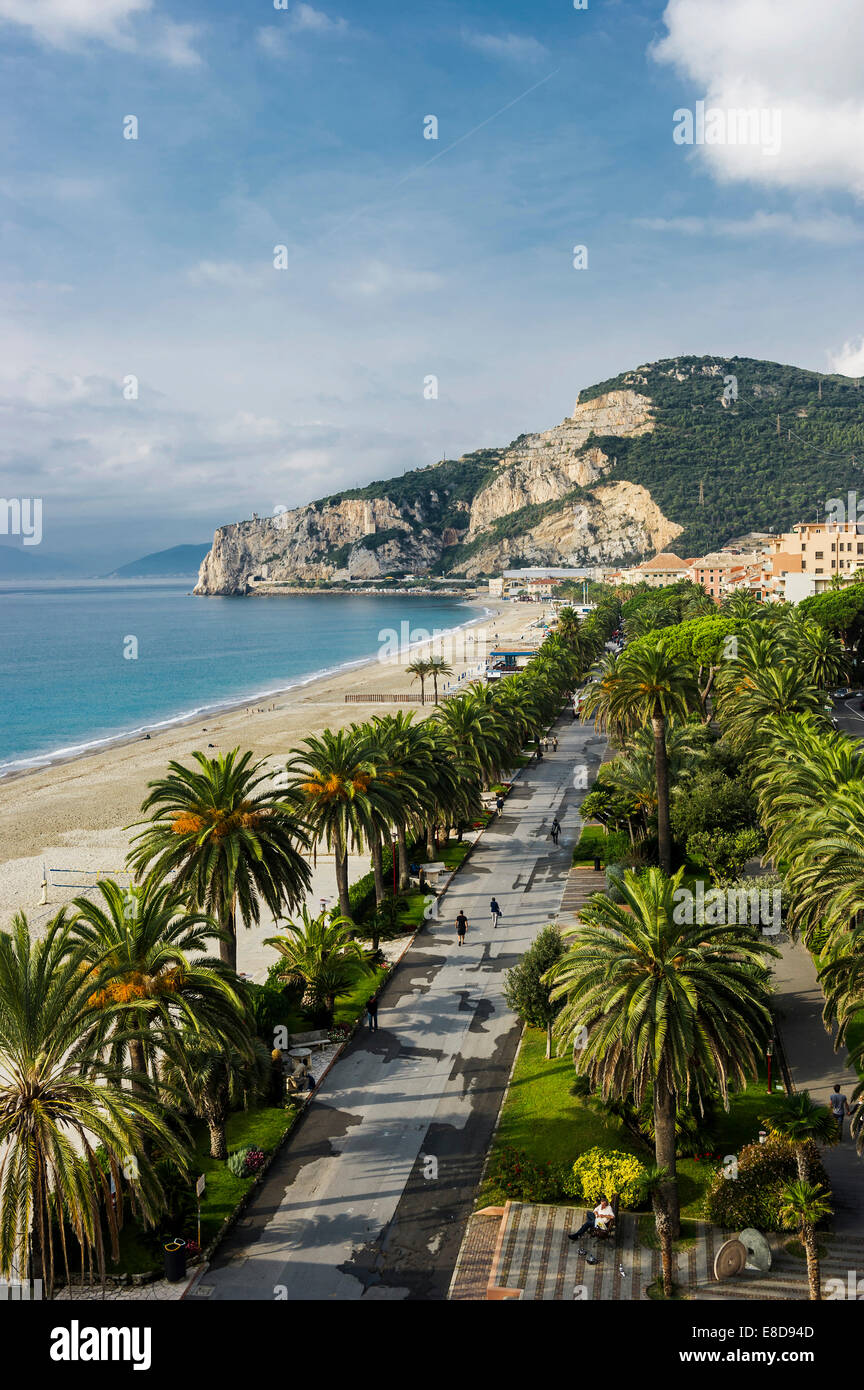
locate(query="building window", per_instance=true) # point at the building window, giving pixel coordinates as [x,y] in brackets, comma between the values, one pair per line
[819,555]
[819,571]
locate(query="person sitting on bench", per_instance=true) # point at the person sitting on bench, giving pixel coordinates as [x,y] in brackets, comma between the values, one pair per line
[597,1221]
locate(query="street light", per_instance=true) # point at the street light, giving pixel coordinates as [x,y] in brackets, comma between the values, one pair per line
[393,843]
[769,1053]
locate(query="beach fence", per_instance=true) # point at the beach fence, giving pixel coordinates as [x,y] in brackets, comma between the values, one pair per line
[74,879]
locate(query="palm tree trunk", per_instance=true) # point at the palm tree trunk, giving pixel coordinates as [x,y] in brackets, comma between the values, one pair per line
[377,870]
[808,1239]
[549,1040]
[138,1064]
[228,947]
[403,856]
[431,844]
[435,687]
[664,1235]
[661,761]
[216,1126]
[422,690]
[340,854]
[664,1146]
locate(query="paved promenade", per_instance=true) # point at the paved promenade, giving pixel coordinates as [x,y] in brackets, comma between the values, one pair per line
[815,1067]
[373,1192]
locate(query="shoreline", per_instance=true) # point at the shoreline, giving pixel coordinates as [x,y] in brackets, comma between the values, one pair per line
[72,821]
[143,733]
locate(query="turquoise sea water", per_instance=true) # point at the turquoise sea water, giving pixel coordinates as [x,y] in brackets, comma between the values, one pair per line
[65,684]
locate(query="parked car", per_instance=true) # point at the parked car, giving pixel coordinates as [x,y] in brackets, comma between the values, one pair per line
[843,693]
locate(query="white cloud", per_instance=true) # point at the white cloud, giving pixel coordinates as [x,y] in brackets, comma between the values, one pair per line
[229,274]
[795,56]
[124,24]
[55,22]
[514,48]
[829,230]
[849,361]
[376,278]
[305,19]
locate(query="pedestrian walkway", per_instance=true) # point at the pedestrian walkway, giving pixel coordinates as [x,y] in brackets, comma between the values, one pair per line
[814,1066]
[522,1251]
[580,885]
[372,1193]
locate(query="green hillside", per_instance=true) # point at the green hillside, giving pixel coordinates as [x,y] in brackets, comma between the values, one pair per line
[754,478]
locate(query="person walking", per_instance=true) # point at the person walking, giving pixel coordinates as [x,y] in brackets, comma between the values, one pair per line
[839,1108]
[461,926]
[499,803]
[555,743]
[372,1013]
[495,910]
[556,831]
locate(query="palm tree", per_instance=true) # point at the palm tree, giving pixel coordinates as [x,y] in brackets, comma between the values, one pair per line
[805,1204]
[740,604]
[228,837]
[821,654]
[475,731]
[334,784]
[213,1081]
[436,667]
[151,978]
[650,686]
[663,1004]
[746,698]
[419,670]
[321,955]
[69,1127]
[802,1123]
[409,750]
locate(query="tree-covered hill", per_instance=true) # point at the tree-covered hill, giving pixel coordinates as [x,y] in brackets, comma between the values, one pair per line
[756,474]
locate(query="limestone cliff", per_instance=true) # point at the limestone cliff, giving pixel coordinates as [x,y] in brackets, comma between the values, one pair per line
[542,500]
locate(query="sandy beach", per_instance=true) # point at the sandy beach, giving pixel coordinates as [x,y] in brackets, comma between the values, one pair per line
[74,815]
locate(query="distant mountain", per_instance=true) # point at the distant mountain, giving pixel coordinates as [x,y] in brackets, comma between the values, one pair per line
[679,454]
[27,562]
[180,562]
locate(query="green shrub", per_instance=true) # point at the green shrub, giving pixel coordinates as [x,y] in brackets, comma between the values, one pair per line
[603,1172]
[754,1196]
[522,1179]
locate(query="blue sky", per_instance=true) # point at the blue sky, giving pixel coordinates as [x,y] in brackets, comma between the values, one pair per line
[407,257]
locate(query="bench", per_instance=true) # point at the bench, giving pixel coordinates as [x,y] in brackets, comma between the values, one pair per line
[319,1037]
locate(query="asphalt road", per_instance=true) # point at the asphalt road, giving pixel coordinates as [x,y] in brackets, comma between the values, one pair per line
[370,1197]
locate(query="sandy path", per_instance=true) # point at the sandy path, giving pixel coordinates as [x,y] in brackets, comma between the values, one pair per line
[74,815]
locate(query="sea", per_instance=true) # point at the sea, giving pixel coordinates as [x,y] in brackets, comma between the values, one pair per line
[85,664]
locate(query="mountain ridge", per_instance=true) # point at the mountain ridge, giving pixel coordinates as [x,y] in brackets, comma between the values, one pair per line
[762,443]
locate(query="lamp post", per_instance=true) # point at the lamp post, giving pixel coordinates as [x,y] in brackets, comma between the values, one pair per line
[769,1053]
[394,841]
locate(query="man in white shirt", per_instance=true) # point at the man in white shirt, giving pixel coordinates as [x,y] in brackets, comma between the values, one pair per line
[600,1218]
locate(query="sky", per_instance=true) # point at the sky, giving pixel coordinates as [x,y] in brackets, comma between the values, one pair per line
[161,374]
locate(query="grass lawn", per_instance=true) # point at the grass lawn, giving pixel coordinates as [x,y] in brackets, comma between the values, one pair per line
[591,842]
[348,1006]
[540,1117]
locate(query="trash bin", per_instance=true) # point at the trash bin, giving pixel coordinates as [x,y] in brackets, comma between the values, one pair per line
[175,1261]
[596,864]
